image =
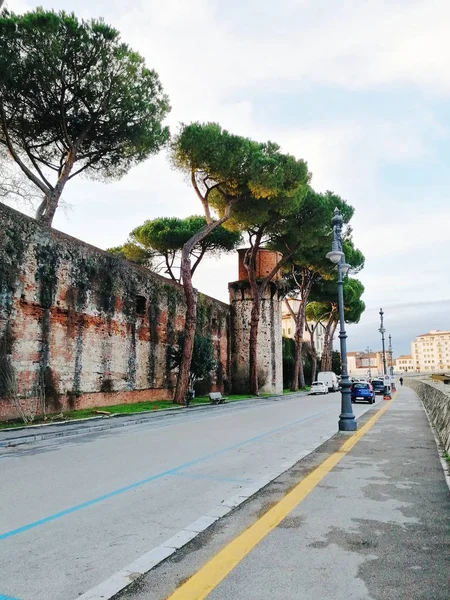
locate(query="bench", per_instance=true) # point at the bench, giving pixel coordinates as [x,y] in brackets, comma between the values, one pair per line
[216,398]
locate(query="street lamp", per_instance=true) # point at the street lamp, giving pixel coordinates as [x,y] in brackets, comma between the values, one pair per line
[391,363]
[391,368]
[347,420]
[369,351]
[382,330]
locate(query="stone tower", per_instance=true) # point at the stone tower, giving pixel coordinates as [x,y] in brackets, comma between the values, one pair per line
[270,362]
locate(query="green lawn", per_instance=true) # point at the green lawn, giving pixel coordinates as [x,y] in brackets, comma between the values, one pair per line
[122,409]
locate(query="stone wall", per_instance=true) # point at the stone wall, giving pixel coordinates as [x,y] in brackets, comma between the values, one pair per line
[269,352]
[436,398]
[89,328]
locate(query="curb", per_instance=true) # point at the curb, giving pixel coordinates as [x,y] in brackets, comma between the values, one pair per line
[39,437]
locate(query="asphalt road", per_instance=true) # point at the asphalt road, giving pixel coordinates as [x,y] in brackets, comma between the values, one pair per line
[374,525]
[74,511]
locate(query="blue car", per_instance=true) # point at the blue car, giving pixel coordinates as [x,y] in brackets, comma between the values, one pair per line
[363,391]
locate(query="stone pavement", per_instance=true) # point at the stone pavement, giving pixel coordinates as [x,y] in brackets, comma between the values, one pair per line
[376,527]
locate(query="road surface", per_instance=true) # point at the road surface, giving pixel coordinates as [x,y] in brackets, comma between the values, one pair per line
[74,511]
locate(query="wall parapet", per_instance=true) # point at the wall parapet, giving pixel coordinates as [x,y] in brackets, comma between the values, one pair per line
[436,399]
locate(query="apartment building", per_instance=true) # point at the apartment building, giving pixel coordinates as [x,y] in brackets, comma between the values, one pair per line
[404,363]
[288,325]
[431,352]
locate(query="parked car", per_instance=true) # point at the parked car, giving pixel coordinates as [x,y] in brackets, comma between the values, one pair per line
[363,391]
[378,386]
[329,379]
[318,387]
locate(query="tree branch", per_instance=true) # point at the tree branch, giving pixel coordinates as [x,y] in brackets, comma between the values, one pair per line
[202,199]
[15,156]
[199,258]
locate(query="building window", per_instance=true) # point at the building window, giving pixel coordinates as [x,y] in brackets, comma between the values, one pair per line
[141,304]
[289,331]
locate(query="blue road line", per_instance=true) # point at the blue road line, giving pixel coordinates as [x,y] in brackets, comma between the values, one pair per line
[142,482]
[3,597]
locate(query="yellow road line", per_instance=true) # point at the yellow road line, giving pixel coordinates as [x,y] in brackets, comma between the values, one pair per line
[202,583]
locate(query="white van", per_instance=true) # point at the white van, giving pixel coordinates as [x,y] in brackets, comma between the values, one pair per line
[329,379]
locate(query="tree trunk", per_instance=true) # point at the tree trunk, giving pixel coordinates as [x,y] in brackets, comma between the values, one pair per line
[191,305]
[297,363]
[253,357]
[313,354]
[298,379]
[330,347]
[46,211]
[326,342]
[189,330]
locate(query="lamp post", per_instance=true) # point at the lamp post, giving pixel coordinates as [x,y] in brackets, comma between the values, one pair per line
[347,420]
[391,367]
[391,364]
[382,330]
[369,351]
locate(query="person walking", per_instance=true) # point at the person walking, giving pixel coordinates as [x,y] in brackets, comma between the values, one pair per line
[401,380]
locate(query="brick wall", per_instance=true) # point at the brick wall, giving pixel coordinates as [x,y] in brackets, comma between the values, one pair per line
[89,328]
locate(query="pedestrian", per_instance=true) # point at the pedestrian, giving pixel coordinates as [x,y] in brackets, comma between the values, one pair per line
[401,380]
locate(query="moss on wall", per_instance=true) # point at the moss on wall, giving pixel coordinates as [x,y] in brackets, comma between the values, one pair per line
[70,294]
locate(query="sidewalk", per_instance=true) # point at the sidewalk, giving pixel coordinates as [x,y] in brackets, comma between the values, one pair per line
[376,527]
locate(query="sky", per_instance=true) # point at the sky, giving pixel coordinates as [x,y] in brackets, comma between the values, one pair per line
[358,88]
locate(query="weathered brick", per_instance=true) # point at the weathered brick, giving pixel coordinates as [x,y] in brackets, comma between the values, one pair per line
[71,308]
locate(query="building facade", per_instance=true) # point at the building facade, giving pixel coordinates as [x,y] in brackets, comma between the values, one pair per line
[364,364]
[404,363]
[431,352]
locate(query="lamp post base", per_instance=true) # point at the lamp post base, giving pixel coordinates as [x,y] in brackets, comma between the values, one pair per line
[347,422]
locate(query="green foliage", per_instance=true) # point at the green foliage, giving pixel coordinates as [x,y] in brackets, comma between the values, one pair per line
[324,296]
[288,361]
[224,167]
[72,95]
[354,306]
[316,311]
[134,253]
[336,362]
[218,156]
[164,238]
[203,362]
[168,234]
[311,225]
